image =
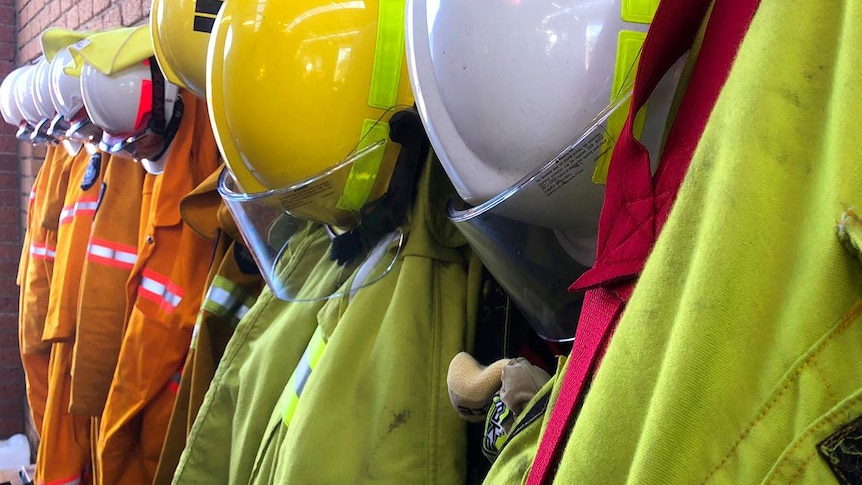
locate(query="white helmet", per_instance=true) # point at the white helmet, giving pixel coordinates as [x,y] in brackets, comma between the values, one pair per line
[44,106]
[65,97]
[521,102]
[25,96]
[65,89]
[137,109]
[8,106]
[42,90]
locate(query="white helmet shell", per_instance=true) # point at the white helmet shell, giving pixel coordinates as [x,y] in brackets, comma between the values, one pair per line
[118,103]
[26,97]
[503,87]
[8,106]
[42,89]
[65,89]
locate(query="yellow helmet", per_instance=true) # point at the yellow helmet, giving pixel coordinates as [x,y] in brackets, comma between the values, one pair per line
[180,30]
[297,88]
[311,106]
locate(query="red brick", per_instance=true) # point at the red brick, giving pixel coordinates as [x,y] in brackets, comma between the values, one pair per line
[29,50]
[72,18]
[54,11]
[30,166]
[12,425]
[7,16]
[8,144]
[8,181]
[112,17]
[131,10]
[85,9]
[8,163]
[5,68]
[9,250]
[7,51]
[8,268]
[8,303]
[35,151]
[99,6]
[7,33]
[8,359]
[28,13]
[10,406]
[9,198]
[26,184]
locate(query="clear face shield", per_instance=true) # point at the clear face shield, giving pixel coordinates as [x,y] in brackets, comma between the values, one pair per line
[335,219]
[538,236]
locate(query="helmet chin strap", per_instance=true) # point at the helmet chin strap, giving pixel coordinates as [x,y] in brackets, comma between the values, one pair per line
[384,215]
[157,117]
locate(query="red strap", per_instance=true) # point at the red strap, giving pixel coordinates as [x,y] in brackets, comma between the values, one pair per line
[636,206]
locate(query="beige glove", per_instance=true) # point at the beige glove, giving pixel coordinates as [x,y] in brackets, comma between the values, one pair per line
[473,385]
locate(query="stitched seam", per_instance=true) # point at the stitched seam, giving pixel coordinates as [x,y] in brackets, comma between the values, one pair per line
[626,206]
[825,383]
[437,324]
[830,420]
[847,320]
[804,464]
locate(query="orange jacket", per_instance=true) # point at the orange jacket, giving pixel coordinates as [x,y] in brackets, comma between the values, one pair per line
[165,290]
[64,450]
[76,217]
[232,290]
[111,254]
[35,290]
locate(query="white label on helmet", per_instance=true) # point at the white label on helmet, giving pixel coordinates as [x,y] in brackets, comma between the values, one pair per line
[306,194]
[573,162]
[80,44]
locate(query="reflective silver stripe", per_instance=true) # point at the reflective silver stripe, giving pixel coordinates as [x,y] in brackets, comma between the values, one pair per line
[38,250]
[220,297]
[71,210]
[115,254]
[172,299]
[153,286]
[81,206]
[240,314]
[161,291]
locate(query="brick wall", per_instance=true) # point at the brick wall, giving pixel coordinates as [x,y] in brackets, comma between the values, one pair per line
[11,377]
[21,23]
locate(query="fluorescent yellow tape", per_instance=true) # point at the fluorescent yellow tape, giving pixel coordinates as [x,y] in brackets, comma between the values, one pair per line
[639,11]
[388,54]
[363,173]
[296,384]
[629,46]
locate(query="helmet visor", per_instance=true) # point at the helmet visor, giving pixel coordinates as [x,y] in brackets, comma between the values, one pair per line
[296,232]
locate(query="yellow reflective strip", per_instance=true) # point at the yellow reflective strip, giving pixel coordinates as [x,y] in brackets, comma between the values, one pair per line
[301,374]
[315,348]
[629,46]
[639,11]
[363,173]
[388,54]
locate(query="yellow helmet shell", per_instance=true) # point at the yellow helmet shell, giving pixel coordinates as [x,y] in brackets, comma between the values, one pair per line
[291,85]
[180,31]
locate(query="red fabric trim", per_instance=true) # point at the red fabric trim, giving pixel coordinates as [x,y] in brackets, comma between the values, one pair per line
[636,206]
[114,245]
[145,105]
